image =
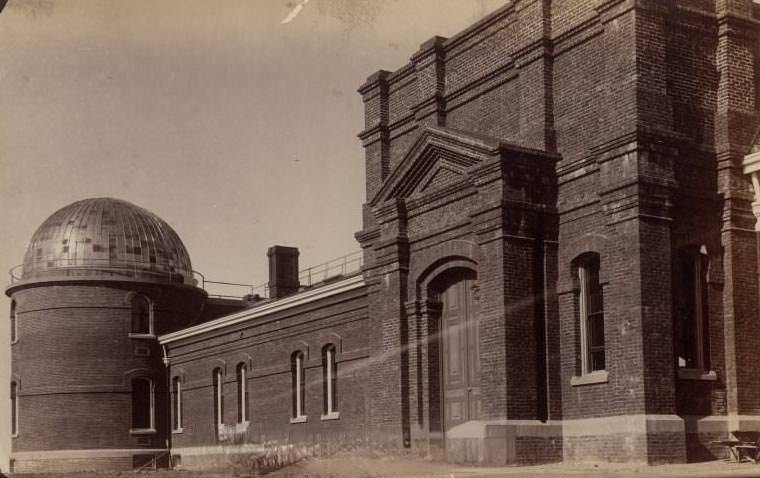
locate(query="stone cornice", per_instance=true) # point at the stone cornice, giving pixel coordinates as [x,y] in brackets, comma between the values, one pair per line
[679,145]
[373,134]
[391,210]
[401,74]
[605,9]
[639,180]
[422,241]
[730,23]
[479,26]
[577,35]
[435,104]
[498,76]
[367,235]
[430,48]
[700,20]
[531,52]
[375,80]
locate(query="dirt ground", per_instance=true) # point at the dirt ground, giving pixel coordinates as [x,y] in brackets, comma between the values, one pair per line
[361,467]
[409,468]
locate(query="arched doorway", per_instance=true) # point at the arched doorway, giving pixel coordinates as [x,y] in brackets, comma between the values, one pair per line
[458,348]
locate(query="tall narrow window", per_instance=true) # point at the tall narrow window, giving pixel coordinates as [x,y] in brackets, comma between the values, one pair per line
[218,400]
[14,324]
[142,316]
[143,405]
[590,305]
[242,393]
[14,409]
[176,404]
[296,365]
[329,381]
[692,309]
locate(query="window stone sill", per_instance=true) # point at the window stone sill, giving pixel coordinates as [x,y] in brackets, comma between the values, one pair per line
[141,336]
[697,374]
[301,419]
[142,431]
[178,431]
[600,376]
[331,416]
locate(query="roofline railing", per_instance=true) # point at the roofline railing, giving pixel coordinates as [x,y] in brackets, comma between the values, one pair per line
[340,266]
[83,267]
[333,268]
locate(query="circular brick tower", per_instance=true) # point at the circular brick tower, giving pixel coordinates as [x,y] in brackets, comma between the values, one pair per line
[100,280]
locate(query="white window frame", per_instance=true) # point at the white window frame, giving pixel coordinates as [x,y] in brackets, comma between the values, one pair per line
[330,413]
[177,405]
[587,376]
[14,410]
[298,386]
[14,323]
[151,330]
[242,391]
[219,398]
[152,416]
[583,307]
[699,318]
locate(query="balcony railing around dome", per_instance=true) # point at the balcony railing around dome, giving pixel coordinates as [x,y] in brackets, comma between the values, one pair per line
[84,267]
[331,270]
[87,267]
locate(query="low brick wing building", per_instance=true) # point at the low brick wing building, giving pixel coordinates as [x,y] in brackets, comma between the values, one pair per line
[559,262]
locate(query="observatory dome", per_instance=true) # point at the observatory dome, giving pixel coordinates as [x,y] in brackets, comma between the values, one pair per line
[106,238]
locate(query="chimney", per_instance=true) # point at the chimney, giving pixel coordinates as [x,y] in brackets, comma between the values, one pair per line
[283,271]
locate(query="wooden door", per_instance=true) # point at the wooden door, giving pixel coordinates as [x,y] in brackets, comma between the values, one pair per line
[460,355]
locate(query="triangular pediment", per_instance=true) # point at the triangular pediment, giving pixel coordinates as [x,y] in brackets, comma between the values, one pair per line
[439,157]
[441,175]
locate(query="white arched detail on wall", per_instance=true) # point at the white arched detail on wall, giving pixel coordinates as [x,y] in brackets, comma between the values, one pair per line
[751,166]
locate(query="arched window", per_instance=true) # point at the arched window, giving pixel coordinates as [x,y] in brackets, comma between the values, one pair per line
[218,400]
[14,325]
[143,405]
[14,409]
[176,404]
[299,389]
[242,392]
[142,316]
[691,309]
[329,382]
[591,314]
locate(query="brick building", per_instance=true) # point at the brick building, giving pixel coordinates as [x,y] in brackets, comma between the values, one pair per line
[559,263]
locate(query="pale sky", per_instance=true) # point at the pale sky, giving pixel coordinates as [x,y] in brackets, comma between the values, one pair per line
[237,130]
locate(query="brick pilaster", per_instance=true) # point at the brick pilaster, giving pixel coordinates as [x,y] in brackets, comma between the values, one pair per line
[430,70]
[534,64]
[375,134]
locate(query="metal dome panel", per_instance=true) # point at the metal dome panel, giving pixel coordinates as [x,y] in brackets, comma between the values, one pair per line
[109,238]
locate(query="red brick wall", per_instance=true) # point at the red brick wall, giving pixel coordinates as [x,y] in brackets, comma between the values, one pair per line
[651,107]
[265,345]
[74,361]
